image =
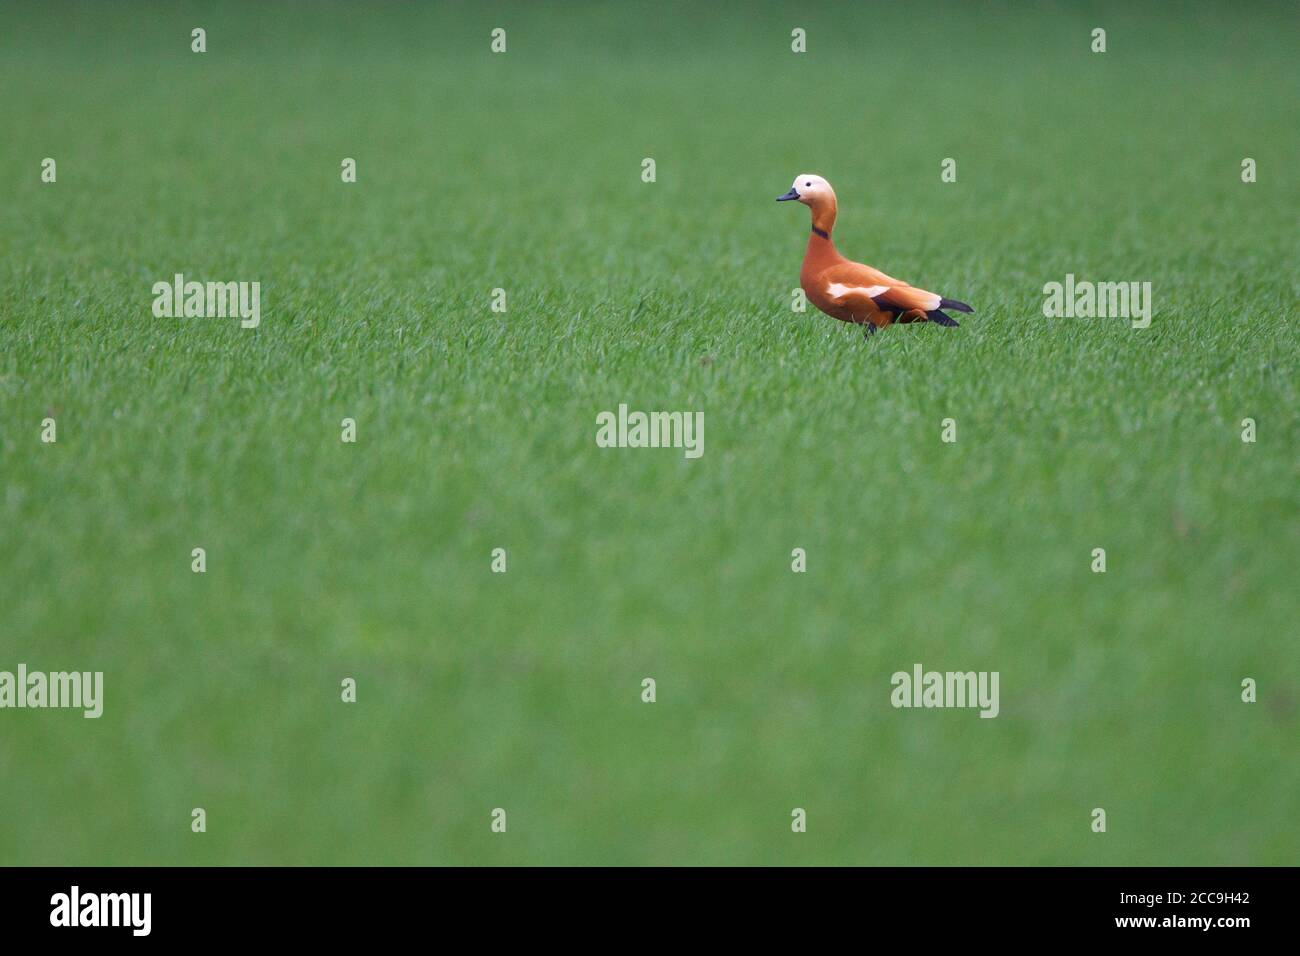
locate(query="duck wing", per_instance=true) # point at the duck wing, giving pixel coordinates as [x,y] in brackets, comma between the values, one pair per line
[851,283]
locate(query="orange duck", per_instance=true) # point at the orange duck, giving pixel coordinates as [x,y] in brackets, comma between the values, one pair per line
[850,291]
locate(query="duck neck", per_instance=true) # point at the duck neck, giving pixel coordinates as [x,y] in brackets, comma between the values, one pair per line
[823,218]
[821,252]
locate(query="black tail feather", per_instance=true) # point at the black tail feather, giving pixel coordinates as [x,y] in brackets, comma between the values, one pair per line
[940,318]
[954,305]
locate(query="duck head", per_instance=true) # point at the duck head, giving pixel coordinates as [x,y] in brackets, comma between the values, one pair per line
[815,193]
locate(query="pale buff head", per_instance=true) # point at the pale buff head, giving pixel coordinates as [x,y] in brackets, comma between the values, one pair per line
[815,193]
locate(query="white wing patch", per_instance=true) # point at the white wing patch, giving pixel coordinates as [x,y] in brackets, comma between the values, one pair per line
[838,290]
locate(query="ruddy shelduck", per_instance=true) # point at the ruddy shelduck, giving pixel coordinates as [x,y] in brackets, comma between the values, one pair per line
[850,291]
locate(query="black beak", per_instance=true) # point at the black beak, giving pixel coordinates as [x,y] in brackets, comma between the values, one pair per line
[792,194]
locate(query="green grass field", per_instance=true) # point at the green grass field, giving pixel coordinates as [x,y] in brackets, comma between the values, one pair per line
[476,430]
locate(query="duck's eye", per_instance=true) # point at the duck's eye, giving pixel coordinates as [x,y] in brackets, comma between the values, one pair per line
[807,185]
